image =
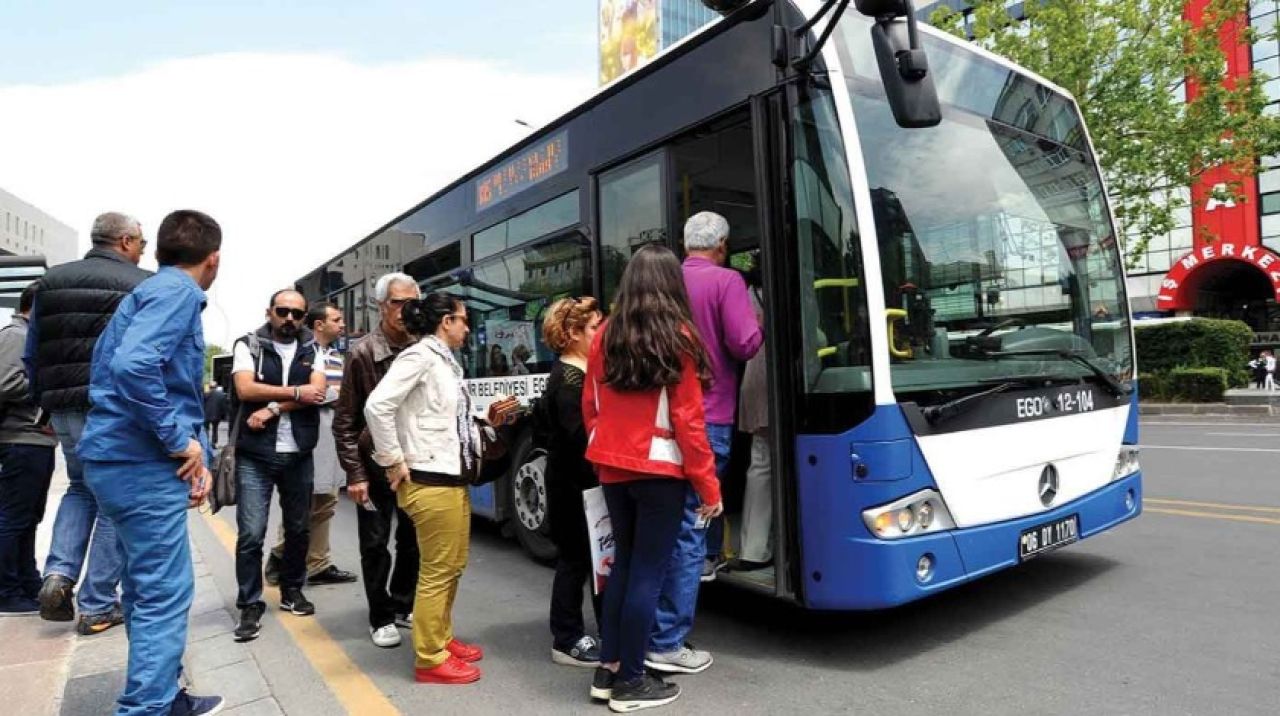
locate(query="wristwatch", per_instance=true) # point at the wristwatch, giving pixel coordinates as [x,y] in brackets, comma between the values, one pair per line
[274,407]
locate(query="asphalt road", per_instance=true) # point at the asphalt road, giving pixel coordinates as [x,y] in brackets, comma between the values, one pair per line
[1173,613]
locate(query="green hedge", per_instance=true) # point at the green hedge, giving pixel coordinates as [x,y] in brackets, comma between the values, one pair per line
[1199,343]
[1198,385]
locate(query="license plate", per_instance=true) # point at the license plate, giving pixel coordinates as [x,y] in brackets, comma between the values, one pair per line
[1048,536]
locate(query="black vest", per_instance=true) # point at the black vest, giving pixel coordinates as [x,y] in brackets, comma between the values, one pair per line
[74,302]
[267,370]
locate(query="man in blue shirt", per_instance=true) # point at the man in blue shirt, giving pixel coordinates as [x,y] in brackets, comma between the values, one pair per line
[144,452]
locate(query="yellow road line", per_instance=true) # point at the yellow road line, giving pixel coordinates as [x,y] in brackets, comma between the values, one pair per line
[1192,513]
[1214,505]
[352,687]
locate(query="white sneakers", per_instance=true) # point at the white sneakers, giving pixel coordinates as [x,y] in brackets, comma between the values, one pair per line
[685,660]
[386,637]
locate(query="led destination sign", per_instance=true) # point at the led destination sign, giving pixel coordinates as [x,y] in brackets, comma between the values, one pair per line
[544,160]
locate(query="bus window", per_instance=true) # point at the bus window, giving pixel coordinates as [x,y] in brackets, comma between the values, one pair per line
[539,221]
[833,309]
[632,214]
[715,171]
[506,297]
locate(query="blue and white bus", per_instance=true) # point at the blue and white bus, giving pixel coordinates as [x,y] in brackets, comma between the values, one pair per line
[951,363]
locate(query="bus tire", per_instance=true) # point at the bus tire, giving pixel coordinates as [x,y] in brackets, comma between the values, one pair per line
[527,504]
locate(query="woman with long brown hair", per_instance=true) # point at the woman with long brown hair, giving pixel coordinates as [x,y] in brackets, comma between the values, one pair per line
[642,406]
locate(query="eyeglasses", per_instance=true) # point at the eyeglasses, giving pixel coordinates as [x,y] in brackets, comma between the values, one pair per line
[294,313]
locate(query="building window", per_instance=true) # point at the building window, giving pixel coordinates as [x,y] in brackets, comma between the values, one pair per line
[1270,203]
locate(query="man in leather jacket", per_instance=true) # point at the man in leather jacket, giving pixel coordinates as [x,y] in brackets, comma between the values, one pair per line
[368,361]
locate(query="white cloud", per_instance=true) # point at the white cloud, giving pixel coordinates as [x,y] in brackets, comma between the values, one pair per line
[297,156]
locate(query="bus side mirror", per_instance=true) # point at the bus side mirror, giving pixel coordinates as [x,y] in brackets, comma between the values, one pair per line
[904,67]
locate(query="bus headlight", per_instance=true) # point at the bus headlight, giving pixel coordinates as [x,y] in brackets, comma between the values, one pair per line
[913,515]
[1126,462]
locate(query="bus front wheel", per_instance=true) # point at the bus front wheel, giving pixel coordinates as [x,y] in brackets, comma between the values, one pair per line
[527,501]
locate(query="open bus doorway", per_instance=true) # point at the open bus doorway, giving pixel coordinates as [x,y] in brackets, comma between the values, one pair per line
[714,168]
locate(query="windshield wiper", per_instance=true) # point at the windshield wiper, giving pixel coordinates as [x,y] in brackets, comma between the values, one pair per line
[943,411]
[1117,388]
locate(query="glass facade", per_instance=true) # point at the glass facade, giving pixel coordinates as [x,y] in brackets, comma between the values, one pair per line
[682,17]
[1264,17]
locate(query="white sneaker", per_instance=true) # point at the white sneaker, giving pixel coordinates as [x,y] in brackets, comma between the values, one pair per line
[685,660]
[386,637]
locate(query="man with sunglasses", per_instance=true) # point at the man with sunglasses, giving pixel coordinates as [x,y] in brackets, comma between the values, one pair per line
[74,303]
[388,585]
[278,384]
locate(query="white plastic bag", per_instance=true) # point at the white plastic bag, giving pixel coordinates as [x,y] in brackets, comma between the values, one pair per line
[600,531]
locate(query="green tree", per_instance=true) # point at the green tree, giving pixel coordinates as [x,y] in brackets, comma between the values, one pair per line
[211,350]
[1129,63]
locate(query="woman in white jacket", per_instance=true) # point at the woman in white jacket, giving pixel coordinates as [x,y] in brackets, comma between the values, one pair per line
[423,434]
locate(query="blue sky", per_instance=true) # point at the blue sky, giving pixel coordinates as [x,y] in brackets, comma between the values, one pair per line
[58,41]
[299,126]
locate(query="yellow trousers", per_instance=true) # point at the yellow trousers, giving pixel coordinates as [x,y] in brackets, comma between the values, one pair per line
[442,520]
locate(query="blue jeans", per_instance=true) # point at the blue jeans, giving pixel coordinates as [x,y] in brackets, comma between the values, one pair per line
[148,505]
[77,520]
[25,471]
[256,475]
[679,598]
[645,515]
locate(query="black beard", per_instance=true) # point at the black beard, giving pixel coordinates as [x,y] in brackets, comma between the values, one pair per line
[287,331]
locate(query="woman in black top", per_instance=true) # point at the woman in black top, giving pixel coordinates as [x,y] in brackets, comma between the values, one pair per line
[568,328]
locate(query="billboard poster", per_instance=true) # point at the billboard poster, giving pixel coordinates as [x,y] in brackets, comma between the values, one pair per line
[629,32]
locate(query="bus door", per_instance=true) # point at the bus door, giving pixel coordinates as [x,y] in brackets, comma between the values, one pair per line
[723,166]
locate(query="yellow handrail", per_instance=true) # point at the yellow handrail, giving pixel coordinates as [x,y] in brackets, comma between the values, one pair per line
[893,315]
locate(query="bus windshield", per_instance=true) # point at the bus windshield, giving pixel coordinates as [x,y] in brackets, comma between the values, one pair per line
[998,255]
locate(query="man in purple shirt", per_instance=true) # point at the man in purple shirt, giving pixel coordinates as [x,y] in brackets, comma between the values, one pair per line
[727,322]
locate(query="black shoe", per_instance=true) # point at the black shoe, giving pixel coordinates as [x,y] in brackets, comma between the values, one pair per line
[272,571]
[91,624]
[331,575]
[56,603]
[292,601]
[187,705]
[646,693]
[18,607]
[250,623]
[602,684]
[745,565]
[584,652]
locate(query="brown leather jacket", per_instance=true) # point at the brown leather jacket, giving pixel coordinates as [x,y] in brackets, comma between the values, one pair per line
[366,364]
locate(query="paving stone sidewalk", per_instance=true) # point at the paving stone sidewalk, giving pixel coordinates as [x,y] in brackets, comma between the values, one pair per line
[47,669]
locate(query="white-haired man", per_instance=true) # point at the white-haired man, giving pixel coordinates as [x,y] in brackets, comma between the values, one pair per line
[726,320]
[390,605]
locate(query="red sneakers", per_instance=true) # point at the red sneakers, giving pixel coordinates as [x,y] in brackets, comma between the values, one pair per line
[465,652]
[452,671]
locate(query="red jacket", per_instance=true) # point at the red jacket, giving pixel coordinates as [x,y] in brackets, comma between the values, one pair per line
[645,434]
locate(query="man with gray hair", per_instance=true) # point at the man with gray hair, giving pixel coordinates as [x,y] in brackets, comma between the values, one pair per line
[390,606]
[726,321]
[74,303]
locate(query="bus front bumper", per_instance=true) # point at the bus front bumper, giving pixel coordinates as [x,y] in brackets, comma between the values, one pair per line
[877,574]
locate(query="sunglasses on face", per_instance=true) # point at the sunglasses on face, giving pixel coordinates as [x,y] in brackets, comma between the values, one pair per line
[294,313]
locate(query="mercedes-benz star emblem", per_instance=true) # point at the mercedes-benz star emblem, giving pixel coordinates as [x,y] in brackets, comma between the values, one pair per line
[1048,484]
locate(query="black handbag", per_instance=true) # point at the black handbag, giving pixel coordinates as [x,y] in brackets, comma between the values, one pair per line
[495,455]
[223,492]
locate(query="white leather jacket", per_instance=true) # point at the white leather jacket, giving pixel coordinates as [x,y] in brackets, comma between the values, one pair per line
[413,414]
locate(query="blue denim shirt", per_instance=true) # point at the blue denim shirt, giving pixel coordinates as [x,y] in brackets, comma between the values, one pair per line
[145,380]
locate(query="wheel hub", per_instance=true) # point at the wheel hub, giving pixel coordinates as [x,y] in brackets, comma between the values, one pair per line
[530,493]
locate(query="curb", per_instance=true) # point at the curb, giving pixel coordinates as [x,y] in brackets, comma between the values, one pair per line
[1222,409]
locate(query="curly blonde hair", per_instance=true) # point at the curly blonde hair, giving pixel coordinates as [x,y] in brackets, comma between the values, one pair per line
[563,317]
